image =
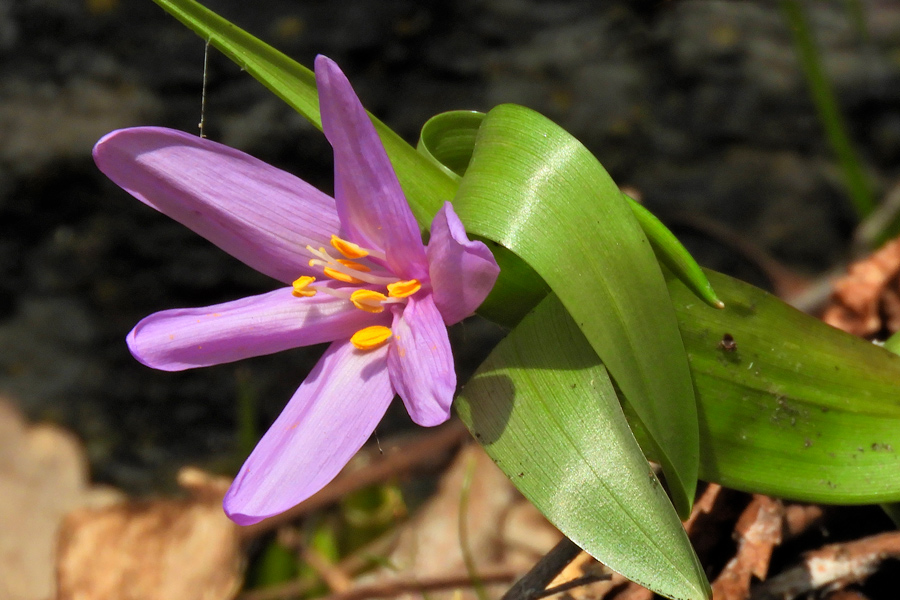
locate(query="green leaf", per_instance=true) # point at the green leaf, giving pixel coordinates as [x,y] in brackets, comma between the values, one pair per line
[559,210]
[796,409]
[544,409]
[448,139]
[671,253]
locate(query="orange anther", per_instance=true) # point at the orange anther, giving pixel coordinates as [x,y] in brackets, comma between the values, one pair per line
[329,272]
[301,288]
[371,337]
[354,265]
[368,300]
[402,289]
[348,249]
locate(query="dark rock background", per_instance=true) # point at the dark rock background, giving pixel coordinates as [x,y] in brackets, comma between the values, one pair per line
[700,105]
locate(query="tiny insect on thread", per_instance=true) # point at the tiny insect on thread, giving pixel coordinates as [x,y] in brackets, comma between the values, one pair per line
[301,287]
[371,337]
[354,265]
[403,289]
[368,300]
[348,249]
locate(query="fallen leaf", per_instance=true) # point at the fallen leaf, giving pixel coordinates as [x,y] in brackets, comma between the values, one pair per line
[43,475]
[153,550]
[865,301]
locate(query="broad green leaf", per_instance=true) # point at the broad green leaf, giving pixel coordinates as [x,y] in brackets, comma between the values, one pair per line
[545,410]
[797,409]
[448,139]
[559,210]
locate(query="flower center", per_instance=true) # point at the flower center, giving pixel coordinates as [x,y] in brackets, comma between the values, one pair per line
[350,270]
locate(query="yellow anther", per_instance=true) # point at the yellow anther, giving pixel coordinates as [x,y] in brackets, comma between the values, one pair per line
[368,300]
[301,288]
[371,337]
[348,249]
[329,272]
[354,265]
[402,289]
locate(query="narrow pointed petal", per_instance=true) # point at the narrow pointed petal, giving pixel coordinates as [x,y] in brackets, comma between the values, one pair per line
[370,201]
[462,271]
[329,418]
[261,215]
[174,340]
[421,363]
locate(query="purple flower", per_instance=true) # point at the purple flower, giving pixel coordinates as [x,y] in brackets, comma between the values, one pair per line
[360,278]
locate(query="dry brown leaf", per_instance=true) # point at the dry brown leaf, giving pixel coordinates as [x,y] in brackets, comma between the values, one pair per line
[758,531]
[704,505]
[866,300]
[153,550]
[43,475]
[800,517]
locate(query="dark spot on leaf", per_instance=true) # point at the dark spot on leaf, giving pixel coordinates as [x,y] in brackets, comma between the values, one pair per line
[727,343]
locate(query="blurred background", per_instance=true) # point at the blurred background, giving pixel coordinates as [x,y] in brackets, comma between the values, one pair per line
[700,107]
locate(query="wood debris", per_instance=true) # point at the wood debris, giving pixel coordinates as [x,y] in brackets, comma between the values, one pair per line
[866,302]
[758,531]
[832,567]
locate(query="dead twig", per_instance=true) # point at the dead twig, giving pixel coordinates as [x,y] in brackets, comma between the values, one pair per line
[831,567]
[388,589]
[571,585]
[335,578]
[543,572]
[423,452]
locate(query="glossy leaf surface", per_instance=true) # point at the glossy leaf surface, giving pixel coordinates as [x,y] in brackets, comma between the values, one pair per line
[537,191]
[545,410]
[796,408]
[448,140]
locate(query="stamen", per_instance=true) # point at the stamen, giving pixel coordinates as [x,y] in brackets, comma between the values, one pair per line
[301,287]
[371,337]
[354,251]
[368,300]
[354,265]
[340,275]
[332,265]
[348,249]
[403,289]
